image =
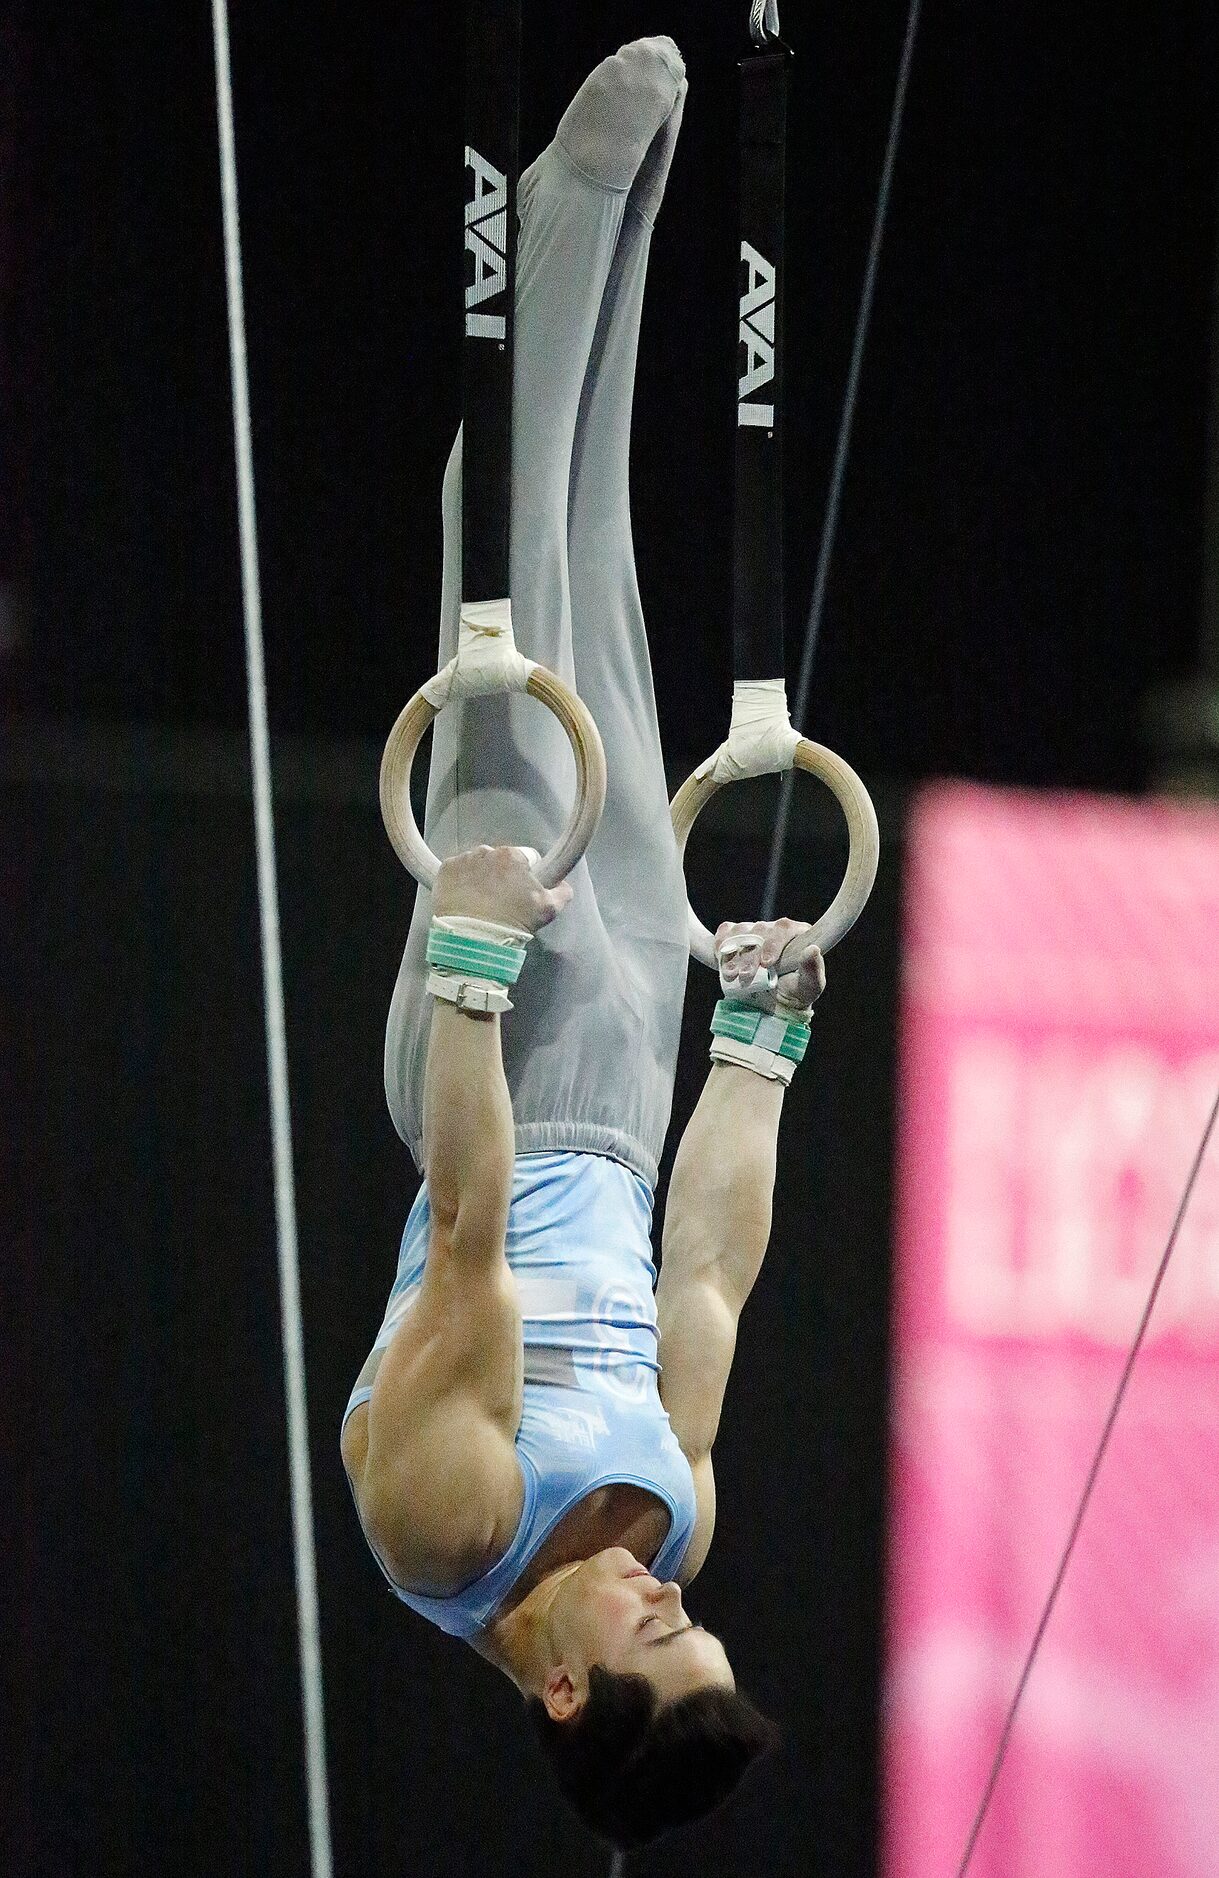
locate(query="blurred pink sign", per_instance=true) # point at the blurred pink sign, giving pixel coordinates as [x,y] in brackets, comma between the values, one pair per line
[1060,1056]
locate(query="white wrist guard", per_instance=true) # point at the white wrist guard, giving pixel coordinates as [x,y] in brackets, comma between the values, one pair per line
[469,994]
[763,994]
[748,1056]
[475,961]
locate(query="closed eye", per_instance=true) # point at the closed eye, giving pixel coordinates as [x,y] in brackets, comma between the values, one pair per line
[658,1641]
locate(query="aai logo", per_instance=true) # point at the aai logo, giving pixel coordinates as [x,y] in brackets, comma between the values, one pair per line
[757,335]
[487,241]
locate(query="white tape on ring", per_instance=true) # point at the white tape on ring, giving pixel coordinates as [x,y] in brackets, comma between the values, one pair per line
[760,741]
[486,661]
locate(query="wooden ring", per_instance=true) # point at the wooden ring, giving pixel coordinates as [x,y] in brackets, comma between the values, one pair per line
[852,896]
[585,739]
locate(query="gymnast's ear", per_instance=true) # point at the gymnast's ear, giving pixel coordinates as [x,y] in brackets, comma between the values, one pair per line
[562,1697]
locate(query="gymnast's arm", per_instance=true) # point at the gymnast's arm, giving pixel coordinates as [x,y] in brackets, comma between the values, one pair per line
[717,1221]
[438,1484]
[717,1225]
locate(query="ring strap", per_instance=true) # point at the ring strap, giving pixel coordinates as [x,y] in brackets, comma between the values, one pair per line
[757,635]
[493,65]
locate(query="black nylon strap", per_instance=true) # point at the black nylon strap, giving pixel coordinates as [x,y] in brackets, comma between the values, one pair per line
[757,635]
[493,69]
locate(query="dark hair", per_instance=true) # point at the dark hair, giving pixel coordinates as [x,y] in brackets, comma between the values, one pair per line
[633,1769]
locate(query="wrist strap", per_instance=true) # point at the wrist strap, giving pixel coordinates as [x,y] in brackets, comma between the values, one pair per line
[479,949]
[771,1046]
[469,994]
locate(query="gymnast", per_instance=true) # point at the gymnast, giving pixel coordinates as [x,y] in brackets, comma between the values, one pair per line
[530,1441]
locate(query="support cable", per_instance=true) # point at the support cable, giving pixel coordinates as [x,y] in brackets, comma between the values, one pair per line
[764,21]
[308,1631]
[1093,1473]
[829,527]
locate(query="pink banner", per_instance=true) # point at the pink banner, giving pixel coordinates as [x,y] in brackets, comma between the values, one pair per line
[1060,1057]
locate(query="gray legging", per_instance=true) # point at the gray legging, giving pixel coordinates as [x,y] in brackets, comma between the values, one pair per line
[591,1046]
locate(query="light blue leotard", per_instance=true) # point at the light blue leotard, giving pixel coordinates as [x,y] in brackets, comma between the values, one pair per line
[578,1243]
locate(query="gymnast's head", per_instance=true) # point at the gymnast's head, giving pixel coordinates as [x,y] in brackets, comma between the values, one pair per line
[636,1706]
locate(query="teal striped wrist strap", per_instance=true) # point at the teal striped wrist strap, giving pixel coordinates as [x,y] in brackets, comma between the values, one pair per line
[783,1036]
[498,960]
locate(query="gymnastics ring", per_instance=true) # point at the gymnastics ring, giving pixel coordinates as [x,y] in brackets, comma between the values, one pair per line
[585,739]
[852,896]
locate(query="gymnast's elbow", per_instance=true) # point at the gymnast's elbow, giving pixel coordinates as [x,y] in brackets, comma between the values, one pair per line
[471,1235]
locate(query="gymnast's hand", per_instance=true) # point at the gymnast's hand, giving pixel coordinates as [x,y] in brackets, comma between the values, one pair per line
[768,939]
[498,884]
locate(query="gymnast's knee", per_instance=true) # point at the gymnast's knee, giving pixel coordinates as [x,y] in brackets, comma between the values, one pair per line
[609,124]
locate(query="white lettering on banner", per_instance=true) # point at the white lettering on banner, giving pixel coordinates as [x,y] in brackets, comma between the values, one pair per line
[757,332]
[1065,1174]
[487,241]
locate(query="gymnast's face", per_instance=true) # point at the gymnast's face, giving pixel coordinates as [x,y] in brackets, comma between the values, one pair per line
[610,1611]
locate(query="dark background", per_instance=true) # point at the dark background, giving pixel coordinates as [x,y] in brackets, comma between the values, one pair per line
[1019,561]
[1020,545]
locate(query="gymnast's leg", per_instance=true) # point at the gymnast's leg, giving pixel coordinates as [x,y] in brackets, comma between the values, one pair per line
[501,768]
[635,842]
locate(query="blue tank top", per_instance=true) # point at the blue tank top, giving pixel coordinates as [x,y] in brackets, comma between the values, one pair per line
[578,1242]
